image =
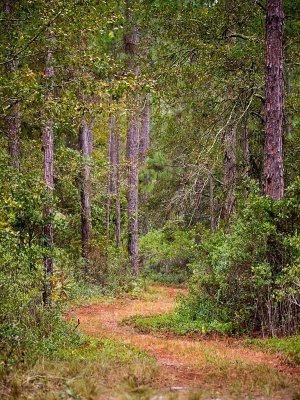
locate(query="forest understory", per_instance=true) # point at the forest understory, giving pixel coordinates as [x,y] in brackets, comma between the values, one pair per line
[114,361]
[149,199]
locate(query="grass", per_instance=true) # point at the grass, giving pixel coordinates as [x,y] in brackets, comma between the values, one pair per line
[288,346]
[87,368]
[71,366]
[175,323]
[90,370]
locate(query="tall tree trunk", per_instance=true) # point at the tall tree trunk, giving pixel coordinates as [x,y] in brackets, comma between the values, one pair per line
[246,156]
[143,152]
[229,171]
[132,154]
[13,119]
[132,150]
[246,151]
[111,169]
[48,148]
[86,149]
[274,101]
[118,189]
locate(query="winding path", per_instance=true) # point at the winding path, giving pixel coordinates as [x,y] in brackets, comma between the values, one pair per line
[220,366]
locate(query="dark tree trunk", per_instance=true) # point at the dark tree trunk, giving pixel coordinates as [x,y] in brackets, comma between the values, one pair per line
[132,154]
[86,149]
[48,148]
[229,171]
[274,101]
[13,119]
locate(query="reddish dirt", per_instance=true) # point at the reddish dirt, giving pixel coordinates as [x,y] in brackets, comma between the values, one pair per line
[185,362]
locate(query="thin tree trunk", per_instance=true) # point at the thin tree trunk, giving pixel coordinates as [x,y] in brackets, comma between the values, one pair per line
[230,132]
[229,172]
[143,152]
[118,189]
[211,202]
[145,129]
[246,151]
[197,216]
[86,149]
[288,117]
[48,148]
[111,174]
[274,101]
[13,120]
[132,153]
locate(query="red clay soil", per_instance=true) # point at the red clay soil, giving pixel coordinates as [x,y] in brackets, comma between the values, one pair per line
[189,362]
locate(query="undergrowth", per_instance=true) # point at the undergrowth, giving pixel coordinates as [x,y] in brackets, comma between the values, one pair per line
[177,324]
[87,369]
[289,347]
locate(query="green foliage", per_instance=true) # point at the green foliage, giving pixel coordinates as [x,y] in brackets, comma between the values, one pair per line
[178,324]
[289,346]
[252,272]
[167,252]
[28,329]
[31,336]
[201,82]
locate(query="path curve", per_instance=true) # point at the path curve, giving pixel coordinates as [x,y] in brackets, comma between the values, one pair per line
[188,362]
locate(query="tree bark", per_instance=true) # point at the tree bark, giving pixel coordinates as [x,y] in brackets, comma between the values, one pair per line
[118,190]
[246,157]
[143,152]
[111,175]
[13,119]
[229,171]
[48,148]
[132,154]
[246,151]
[86,149]
[274,101]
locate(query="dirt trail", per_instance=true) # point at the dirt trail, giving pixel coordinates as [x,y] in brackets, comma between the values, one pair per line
[221,365]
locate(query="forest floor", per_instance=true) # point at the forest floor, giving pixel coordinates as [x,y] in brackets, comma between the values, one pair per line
[190,368]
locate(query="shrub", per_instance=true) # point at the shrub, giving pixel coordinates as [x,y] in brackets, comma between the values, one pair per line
[167,252]
[252,273]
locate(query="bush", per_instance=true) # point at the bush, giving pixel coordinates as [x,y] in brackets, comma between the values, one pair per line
[167,252]
[251,274]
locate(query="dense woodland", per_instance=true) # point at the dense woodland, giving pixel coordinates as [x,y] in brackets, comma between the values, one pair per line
[148,140]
